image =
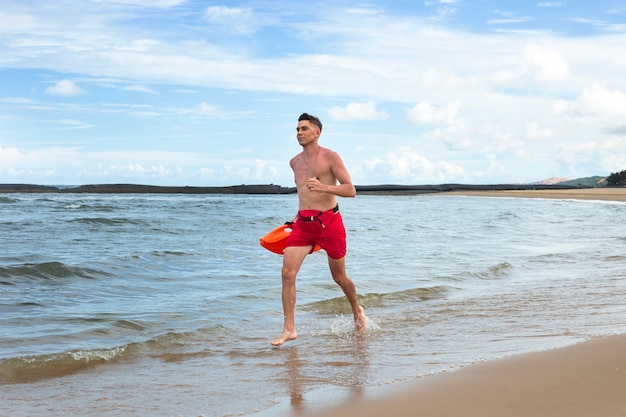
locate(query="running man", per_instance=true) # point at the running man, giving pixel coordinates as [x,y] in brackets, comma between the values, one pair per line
[320,177]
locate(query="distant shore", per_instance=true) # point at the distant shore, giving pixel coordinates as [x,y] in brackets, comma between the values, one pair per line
[487,190]
[603,193]
[389,189]
[145,189]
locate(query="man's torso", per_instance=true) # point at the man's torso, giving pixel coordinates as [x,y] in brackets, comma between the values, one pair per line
[317,167]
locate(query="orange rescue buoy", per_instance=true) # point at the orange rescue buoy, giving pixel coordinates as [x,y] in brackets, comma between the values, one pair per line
[276,240]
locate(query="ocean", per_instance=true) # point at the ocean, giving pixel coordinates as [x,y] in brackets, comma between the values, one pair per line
[164,305]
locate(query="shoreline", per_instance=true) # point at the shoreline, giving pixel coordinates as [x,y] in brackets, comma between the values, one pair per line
[605,194]
[580,380]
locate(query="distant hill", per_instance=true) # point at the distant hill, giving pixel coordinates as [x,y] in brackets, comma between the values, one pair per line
[591,182]
[551,181]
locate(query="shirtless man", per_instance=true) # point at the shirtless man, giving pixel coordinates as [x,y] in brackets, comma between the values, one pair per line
[320,177]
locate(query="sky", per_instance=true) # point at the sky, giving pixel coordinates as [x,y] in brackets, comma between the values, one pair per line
[204,93]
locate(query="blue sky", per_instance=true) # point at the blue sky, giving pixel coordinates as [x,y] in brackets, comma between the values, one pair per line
[175,92]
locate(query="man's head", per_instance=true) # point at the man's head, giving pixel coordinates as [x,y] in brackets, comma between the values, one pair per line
[312,119]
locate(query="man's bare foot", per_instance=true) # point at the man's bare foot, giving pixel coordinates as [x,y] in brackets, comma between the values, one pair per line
[360,321]
[284,337]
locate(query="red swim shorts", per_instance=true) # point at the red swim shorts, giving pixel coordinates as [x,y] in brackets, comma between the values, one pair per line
[322,228]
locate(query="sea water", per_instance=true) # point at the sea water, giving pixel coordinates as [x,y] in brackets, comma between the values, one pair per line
[164,305]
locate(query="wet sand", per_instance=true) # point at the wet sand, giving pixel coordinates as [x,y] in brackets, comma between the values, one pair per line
[584,380]
[611,194]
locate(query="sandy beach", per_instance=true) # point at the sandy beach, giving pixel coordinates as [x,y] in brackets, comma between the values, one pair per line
[610,194]
[583,380]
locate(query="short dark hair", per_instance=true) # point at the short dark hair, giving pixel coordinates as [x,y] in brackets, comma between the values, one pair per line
[312,119]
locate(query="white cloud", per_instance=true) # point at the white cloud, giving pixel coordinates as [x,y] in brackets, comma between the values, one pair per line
[407,164]
[205,109]
[132,87]
[15,22]
[140,88]
[455,137]
[426,113]
[135,170]
[74,165]
[8,155]
[232,19]
[74,124]
[362,11]
[550,4]
[539,64]
[492,159]
[507,21]
[220,12]
[364,110]
[20,166]
[545,64]
[596,105]
[535,131]
[65,88]
[144,3]
[615,162]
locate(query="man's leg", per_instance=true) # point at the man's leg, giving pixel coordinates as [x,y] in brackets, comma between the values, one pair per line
[292,261]
[338,271]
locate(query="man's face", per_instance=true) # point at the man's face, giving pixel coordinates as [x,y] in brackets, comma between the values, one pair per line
[306,132]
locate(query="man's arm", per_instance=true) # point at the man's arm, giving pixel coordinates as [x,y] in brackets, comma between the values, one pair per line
[345,188]
[342,190]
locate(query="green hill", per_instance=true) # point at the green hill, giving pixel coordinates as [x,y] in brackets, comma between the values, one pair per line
[591,182]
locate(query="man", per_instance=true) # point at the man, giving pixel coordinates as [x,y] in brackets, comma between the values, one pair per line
[320,177]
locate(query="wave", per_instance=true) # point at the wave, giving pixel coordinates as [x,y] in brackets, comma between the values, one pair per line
[494,271]
[88,207]
[339,305]
[8,200]
[168,347]
[41,367]
[107,221]
[49,270]
[168,253]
